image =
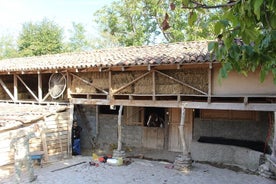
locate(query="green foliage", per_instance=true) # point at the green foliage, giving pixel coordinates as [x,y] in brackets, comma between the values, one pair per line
[140,22]
[77,40]
[40,38]
[7,47]
[248,31]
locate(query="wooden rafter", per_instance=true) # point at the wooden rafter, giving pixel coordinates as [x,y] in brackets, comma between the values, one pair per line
[89,83]
[180,82]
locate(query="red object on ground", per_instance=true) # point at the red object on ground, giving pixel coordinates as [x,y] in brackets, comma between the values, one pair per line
[101,159]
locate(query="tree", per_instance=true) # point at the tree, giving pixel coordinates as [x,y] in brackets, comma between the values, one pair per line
[78,40]
[7,47]
[40,38]
[139,22]
[246,32]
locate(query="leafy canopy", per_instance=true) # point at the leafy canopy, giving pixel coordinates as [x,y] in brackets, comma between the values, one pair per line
[40,38]
[140,22]
[246,32]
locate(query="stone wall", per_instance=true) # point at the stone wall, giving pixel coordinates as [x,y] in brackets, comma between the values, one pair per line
[107,130]
[232,129]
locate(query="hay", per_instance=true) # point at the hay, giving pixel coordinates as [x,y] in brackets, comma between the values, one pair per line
[198,78]
[98,79]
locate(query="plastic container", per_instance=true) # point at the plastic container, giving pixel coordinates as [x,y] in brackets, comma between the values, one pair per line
[95,157]
[115,161]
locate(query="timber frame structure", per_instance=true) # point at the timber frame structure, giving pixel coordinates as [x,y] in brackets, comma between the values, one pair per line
[176,75]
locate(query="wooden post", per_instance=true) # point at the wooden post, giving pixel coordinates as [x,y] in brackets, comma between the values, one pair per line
[70,123]
[39,81]
[69,81]
[210,82]
[153,86]
[120,128]
[97,121]
[181,132]
[273,155]
[15,87]
[44,142]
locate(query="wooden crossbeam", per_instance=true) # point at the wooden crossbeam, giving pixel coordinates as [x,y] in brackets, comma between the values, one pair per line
[180,82]
[6,89]
[26,86]
[89,83]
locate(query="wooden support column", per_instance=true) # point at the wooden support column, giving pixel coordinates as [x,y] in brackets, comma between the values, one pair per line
[69,82]
[110,94]
[181,132]
[120,129]
[39,84]
[97,121]
[119,152]
[153,86]
[183,162]
[15,87]
[273,155]
[70,124]
[210,82]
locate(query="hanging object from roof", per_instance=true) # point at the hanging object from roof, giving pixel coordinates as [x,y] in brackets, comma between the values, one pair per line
[57,85]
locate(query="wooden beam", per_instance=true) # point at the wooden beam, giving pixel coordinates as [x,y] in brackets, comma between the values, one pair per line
[7,90]
[181,132]
[210,82]
[110,84]
[70,124]
[15,87]
[89,83]
[135,80]
[69,82]
[39,84]
[30,91]
[97,121]
[180,82]
[176,104]
[153,86]
[119,148]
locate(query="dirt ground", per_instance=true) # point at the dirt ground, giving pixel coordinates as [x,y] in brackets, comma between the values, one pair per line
[78,170]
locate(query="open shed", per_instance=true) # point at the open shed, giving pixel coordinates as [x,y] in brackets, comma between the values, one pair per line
[163,97]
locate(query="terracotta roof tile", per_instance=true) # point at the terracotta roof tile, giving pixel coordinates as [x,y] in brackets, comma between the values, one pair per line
[184,52]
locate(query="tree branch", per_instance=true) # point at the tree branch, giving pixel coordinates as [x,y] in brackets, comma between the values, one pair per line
[204,6]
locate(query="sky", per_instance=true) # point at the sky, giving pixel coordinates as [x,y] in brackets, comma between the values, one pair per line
[13,13]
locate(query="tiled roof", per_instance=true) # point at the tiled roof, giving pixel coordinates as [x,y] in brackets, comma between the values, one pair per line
[173,53]
[15,115]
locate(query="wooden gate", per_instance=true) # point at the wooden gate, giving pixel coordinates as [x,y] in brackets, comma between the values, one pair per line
[153,137]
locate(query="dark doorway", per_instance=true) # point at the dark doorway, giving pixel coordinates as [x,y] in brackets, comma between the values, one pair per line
[154,117]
